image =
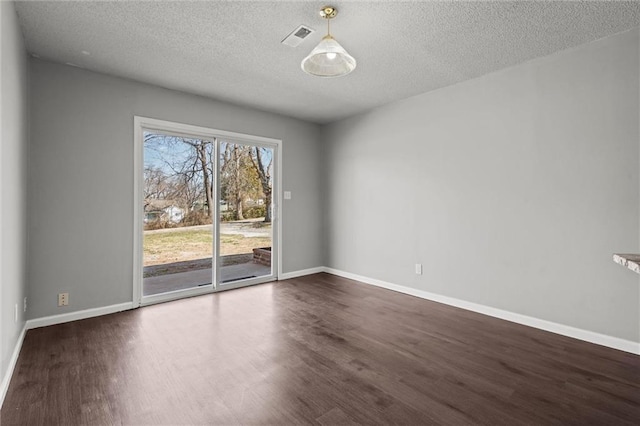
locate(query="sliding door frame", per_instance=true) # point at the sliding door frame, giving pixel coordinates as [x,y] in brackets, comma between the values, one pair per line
[142,124]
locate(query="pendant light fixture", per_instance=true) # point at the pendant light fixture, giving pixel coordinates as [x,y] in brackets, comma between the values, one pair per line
[328,59]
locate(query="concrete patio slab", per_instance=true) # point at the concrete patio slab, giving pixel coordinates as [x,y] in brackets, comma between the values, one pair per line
[200,277]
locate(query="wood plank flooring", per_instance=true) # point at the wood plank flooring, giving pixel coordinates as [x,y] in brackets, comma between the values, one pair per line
[315,350]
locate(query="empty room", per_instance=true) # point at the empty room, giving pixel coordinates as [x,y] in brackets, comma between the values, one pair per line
[303,212]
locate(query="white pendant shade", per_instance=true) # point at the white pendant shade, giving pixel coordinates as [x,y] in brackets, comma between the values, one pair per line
[328,59]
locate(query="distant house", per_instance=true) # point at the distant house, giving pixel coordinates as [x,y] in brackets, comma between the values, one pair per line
[164,210]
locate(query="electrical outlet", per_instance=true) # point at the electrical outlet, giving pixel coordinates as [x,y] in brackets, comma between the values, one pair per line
[24,305]
[418,268]
[15,314]
[63,299]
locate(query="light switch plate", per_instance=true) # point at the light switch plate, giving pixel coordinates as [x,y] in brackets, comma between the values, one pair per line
[287,195]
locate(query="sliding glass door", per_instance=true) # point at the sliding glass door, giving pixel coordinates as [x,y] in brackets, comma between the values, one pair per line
[206,210]
[179,177]
[245,176]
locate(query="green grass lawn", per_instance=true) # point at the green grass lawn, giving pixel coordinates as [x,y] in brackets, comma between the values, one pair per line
[182,245]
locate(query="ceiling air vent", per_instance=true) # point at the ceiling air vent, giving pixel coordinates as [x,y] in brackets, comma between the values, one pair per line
[297,36]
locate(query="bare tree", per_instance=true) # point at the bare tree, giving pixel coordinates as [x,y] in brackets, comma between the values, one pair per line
[230,174]
[264,174]
[186,173]
[239,180]
[190,162]
[203,152]
[156,183]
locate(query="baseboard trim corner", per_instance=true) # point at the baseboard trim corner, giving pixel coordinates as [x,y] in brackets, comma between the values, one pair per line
[565,330]
[6,379]
[78,315]
[301,273]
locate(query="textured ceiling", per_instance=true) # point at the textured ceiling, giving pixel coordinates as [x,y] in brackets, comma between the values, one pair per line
[231,50]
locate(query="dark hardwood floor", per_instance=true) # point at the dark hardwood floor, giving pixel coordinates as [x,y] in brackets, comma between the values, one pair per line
[315,350]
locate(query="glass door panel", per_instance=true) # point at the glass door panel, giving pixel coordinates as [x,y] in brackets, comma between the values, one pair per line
[245,176]
[179,182]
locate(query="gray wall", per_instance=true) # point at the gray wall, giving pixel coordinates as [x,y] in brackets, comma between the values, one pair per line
[513,189]
[13,146]
[81,180]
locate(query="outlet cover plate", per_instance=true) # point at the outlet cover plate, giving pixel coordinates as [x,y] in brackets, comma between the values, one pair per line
[63,299]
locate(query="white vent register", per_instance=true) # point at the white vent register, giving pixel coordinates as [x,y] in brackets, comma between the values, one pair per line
[297,36]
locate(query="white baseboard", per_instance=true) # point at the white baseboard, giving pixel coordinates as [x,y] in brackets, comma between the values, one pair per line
[302,272]
[12,365]
[78,315]
[565,330]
